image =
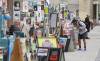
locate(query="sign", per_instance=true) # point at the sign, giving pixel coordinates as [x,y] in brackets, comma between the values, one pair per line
[25,6]
[67,27]
[1,54]
[62,41]
[16,10]
[16,15]
[65,13]
[42,52]
[46,11]
[1,1]
[51,40]
[53,20]
[16,5]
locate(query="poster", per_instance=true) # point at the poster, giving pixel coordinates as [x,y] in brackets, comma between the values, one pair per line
[16,10]
[1,1]
[42,52]
[25,6]
[16,15]
[1,54]
[62,41]
[46,11]
[65,13]
[16,5]
[53,20]
[52,41]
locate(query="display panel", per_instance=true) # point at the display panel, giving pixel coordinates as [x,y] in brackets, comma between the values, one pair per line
[47,42]
[62,41]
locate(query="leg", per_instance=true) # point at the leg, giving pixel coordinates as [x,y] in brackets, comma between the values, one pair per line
[67,45]
[84,41]
[79,43]
[87,35]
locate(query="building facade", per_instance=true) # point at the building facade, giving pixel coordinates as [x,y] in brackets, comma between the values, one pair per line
[91,8]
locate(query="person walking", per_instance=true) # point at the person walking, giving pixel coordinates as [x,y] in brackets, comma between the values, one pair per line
[88,24]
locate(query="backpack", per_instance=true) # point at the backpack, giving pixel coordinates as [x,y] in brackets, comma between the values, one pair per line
[82,27]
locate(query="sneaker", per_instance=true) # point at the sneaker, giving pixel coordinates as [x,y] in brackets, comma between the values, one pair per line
[84,49]
[79,49]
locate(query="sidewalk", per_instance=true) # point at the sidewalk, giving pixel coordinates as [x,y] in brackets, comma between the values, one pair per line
[93,49]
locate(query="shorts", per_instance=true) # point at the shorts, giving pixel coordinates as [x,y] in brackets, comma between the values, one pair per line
[82,36]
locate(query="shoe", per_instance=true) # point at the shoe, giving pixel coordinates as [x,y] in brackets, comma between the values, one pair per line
[84,49]
[79,49]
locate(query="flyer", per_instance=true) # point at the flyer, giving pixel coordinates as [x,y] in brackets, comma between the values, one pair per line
[52,41]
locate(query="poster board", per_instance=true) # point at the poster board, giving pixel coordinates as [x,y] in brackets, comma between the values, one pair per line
[53,20]
[52,41]
[42,52]
[62,41]
[16,10]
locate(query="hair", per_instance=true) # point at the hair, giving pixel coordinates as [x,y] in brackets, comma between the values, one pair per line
[74,21]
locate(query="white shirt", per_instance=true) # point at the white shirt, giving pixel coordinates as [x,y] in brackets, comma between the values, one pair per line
[82,28]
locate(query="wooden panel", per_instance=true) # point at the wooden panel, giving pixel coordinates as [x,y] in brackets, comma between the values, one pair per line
[17,51]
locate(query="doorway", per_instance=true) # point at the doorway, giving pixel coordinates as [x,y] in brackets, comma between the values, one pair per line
[94,11]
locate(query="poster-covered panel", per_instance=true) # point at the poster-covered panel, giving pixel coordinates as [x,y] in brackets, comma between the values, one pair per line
[47,42]
[62,41]
[42,52]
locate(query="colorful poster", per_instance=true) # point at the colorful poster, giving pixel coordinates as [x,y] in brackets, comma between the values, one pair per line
[65,13]
[16,10]
[62,41]
[53,21]
[1,54]
[42,52]
[47,42]
[46,11]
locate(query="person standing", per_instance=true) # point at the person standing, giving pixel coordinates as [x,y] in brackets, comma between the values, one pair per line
[82,34]
[88,24]
[76,31]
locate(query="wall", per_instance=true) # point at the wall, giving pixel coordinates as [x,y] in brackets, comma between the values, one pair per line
[84,8]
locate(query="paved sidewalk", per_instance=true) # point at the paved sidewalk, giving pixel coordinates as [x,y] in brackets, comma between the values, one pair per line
[93,49]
